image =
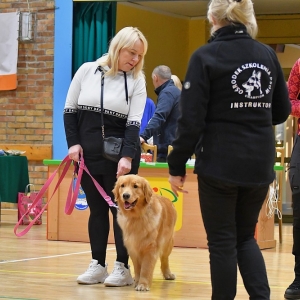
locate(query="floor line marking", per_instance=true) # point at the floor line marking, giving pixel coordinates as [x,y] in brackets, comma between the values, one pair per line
[47,257]
[14,298]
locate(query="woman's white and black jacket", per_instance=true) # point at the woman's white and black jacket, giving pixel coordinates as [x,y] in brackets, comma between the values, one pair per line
[233,94]
[122,116]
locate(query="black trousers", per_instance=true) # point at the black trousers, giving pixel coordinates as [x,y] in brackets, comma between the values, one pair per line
[294,178]
[98,224]
[230,214]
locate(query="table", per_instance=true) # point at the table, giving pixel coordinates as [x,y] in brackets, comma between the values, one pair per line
[13,177]
[189,229]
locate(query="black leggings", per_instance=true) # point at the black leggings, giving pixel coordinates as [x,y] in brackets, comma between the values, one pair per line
[98,224]
[230,214]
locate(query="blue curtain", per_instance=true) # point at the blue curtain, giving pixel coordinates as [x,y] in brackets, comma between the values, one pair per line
[94,25]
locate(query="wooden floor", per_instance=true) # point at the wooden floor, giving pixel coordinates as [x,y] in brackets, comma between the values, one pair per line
[33,268]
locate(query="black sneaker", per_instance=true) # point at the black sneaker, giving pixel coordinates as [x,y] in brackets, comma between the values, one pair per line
[293,291]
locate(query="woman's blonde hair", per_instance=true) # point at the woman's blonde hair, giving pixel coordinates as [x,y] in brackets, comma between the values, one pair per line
[227,12]
[125,38]
[177,81]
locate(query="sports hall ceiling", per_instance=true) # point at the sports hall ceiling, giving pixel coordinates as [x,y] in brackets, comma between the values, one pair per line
[198,8]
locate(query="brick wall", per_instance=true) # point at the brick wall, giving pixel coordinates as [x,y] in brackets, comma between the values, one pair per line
[26,113]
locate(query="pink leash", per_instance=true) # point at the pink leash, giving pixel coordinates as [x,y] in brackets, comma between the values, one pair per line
[72,194]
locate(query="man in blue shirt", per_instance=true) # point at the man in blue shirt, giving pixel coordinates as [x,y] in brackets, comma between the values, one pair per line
[163,124]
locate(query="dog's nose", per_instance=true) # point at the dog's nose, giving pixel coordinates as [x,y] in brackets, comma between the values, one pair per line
[126,196]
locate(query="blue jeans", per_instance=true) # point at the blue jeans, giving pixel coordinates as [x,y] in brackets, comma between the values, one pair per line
[230,214]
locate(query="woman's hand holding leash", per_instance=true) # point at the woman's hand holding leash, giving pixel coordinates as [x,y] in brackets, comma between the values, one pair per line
[75,152]
[177,183]
[124,166]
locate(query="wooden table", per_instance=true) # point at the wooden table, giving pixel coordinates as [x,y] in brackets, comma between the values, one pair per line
[189,228]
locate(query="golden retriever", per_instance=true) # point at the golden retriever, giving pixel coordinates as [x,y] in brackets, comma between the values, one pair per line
[147,221]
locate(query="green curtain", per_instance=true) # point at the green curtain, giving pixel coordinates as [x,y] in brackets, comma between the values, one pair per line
[94,25]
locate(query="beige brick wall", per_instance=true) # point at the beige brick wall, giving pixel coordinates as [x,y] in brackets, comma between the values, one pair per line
[26,113]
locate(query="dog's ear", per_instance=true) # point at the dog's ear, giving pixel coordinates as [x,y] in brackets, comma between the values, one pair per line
[147,190]
[116,190]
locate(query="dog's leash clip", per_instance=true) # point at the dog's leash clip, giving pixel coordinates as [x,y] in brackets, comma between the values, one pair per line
[110,202]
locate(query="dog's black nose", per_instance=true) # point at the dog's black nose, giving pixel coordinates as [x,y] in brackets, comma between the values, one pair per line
[126,196]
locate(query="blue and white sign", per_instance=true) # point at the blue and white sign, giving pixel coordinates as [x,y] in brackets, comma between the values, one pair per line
[81,203]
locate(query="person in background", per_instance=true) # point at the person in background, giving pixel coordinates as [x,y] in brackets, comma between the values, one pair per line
[148,113]
[230,100]
[124,97]
[293,291]
[162,125]
[177,81]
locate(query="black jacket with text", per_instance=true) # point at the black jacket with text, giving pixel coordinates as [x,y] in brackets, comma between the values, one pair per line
[233,94]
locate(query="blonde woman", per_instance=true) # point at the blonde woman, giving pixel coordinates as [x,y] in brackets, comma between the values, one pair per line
[177,81]
[234,92]
[124,97]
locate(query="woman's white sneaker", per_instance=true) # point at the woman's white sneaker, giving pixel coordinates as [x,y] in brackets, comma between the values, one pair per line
[94,274]
[120,276]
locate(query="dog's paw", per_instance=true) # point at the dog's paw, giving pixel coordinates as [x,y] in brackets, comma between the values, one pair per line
[142,287]
[169,276]
[136,281]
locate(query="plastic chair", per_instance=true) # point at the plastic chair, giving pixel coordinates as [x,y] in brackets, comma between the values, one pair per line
[153,148]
